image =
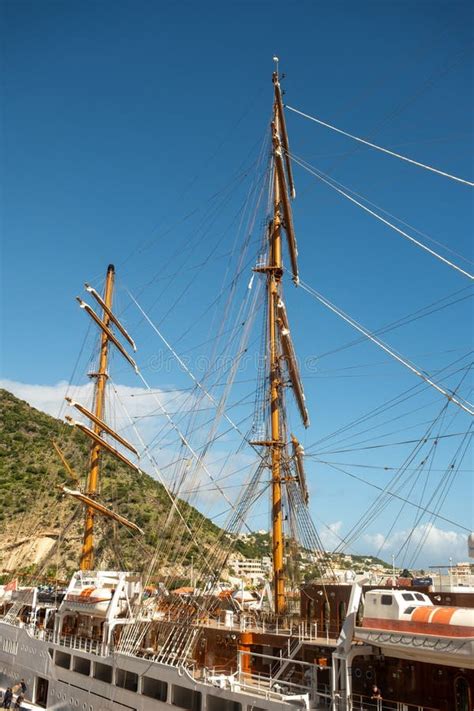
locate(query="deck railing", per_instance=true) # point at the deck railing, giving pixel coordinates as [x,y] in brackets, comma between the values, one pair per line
[82,644]
[304,631]
[366,703]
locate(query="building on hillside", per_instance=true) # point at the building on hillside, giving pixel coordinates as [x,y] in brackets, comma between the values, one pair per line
[251,568]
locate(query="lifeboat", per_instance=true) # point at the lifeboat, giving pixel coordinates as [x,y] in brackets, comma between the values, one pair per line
[408,625]
[414,612]
[93,601]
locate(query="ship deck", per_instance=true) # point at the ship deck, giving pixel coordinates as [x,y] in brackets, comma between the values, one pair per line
[25,706]
[303,633]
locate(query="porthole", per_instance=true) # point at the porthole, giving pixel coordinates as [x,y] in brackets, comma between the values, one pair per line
[358,673]
[369,674]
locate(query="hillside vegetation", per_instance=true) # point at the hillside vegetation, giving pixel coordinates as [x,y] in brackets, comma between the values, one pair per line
[41,528]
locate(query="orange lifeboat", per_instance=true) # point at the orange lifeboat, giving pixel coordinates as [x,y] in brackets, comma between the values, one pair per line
[407,625]
[403,611]
[92,601]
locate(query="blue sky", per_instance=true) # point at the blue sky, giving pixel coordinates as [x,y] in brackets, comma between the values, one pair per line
[131,133]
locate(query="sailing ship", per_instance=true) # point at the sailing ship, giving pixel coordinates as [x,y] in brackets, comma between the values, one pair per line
[113,641]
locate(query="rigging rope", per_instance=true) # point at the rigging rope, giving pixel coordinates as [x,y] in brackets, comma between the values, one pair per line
[393,495]
[379,446]
[413,391]
[405,320]
[198,458]
[466,407]
[379,148]
[382,501]
[321,176]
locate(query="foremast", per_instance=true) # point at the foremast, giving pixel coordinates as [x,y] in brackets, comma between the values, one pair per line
[99,429]
[87,554]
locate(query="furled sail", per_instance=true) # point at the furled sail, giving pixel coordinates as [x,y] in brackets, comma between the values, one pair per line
[100,508]
[110,314]
[107,331]
[298,456]
[284,134]
[290,358]
[102,443]
[287,215]
[103,425]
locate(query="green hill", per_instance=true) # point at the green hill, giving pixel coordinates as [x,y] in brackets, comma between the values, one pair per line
[41,528]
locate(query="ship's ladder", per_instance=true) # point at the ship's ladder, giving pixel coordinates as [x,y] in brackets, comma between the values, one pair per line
[280,667]
[12,614]
[178,645]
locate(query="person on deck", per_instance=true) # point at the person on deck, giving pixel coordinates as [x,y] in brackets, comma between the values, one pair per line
[376,693]
[19,700]
[7,699]
[23,686]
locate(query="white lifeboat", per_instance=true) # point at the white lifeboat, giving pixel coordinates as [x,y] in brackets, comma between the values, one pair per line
[414,612]
[408,625]
[92,601]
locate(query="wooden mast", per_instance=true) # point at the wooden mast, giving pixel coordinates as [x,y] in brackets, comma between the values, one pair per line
[87,556]
[274,275]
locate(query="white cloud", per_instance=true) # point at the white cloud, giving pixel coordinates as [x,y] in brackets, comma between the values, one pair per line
[331,535]
[122,404]
[437,545]
[47,398]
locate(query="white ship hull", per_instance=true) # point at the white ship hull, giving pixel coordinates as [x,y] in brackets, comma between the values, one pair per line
[64,678]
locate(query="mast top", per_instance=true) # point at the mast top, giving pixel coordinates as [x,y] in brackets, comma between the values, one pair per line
[275,73]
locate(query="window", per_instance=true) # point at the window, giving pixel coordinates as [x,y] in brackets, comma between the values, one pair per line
[102,672]
[342,612]
[462,694]
[154,688]
[408,596]
[409,610]
[126,680]
[63,660]
[81,665]
[419,596]
[186,698]
[217,703]
[386,600]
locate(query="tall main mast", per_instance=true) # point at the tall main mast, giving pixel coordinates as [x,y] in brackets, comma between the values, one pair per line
[87,555]
[280,347]
[274,275]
